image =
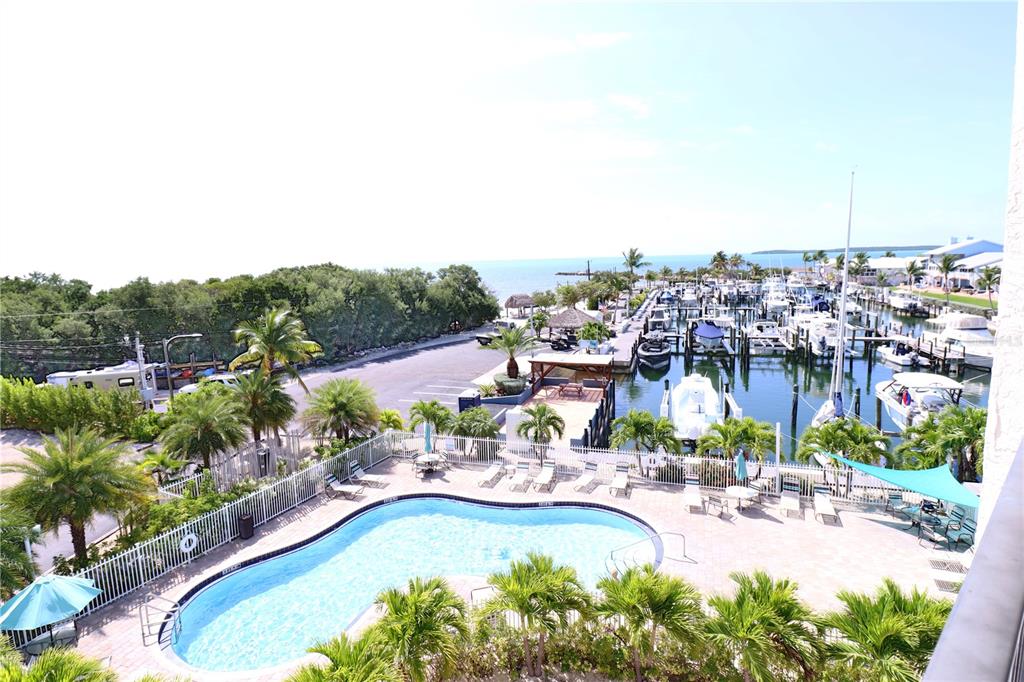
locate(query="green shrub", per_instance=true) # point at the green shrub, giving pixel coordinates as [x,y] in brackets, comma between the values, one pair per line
[46,408]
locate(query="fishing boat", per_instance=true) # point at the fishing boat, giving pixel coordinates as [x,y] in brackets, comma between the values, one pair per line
[776,302]
[901,355]
[904,302]
[909,397]
[720,316]
[654,351]
[689,297]
[660,320]
[708,335]
[967,336]
[764,335]
[695,406]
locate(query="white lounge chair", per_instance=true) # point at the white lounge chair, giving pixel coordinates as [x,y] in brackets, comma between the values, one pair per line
[334,486]
[586,479]
[546,479]
[357,475]
[620,482]
[790,500]
[522,479]
[492,475]
[691,494]
[823,504]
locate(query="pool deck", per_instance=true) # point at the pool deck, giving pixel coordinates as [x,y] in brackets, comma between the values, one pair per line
[855,555]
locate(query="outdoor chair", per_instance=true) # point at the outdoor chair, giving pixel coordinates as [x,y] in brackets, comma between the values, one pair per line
[586,479]
[335,487]
[546,479]
[492,475]
[620,482]
[961,531]
[522,479]
[895,504]
[956,515]
[823,504]
[691,494]
[929,533]
[790,500]
[715,500]
[357,475]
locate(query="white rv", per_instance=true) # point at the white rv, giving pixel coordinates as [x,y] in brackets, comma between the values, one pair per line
[123,376]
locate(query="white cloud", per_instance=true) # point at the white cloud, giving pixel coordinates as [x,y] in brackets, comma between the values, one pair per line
[638,106]
[704,146]
[829,147]
[742,129]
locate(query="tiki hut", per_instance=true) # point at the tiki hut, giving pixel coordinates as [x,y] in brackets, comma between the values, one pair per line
[570,318]
[519,302]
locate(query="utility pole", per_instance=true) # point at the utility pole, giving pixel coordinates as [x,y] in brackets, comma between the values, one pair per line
[140,358]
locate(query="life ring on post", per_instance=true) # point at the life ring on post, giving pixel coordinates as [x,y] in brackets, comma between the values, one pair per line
[188,543]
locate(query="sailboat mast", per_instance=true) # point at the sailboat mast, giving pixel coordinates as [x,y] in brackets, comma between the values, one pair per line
[837,368]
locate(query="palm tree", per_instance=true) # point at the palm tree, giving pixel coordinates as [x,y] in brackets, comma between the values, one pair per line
[840,261]
[350,660]
[921,445]
[742,626]
[391,419]
[719,261]
[881,280]
[594,331]
[633,260]
[914,269]
[75,476]
[945,266]
[889,637]
[736,261]
[439,417]
[204,425]
[538,321]
[16,567]
[512,342]
[640,428]
[422,627]
[161,464]
[821,258]
[58,665]
[756,271]
[275,337]
[476,422]
[666,274]
[962,432]
[265,402]
[889,254]
[988,280]
[568,295]
[852,438]
[540,424]
[542,595]
[732,435]
[343,407]
[642,602]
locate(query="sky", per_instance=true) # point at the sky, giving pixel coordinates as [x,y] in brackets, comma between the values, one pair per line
[197,139]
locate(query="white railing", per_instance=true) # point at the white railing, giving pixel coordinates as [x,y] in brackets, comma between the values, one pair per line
[176,489]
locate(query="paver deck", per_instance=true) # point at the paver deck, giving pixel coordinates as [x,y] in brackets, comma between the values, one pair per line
[855,555]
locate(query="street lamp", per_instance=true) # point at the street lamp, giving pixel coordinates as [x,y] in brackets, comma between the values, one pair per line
[167,359]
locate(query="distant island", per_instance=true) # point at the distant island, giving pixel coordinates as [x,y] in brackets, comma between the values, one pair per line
[775,252]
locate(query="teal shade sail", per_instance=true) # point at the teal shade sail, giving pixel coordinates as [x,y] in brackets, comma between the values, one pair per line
[46,600]
[938,482]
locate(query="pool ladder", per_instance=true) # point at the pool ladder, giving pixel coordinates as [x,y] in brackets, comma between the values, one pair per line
[152,618]
[616,565]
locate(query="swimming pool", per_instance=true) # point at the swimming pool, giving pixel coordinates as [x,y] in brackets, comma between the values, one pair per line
[270,612]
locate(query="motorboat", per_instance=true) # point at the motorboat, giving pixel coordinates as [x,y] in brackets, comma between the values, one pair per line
[660,320]
[904,302]
[689,297]
[654,351]
[708,335]
[776,302]
[695,406]
[666,297]
[720,316]
[764,335]
[965,335]
[824,336]
[902,355]
[909,397]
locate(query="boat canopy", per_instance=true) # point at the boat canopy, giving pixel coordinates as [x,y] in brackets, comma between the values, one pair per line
[938,482]
[954,320]
[919,380]
[706,330]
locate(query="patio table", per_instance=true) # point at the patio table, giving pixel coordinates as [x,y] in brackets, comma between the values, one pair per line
[740,493]
[428,462]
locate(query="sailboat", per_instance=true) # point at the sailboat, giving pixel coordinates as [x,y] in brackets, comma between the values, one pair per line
[833,406]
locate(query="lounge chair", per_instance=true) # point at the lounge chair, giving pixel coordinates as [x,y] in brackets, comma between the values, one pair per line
[691,494]
[956,515]
[336,487]
[961,531]
[357,475]
[823,504]
[522,479]
[715,500]
[895,504]
[790,500]
[546,479]
[492,475]
[620,482]
[586,479]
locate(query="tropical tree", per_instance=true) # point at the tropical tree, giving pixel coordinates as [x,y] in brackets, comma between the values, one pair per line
[633,259]
[987,281]
[541,423]
[849,437]
[840,262]
[650,277]
[75,476]
[945,266]
[594,331]
[266,404]
[161,465]
[343,407]
[476,422]
[887,637]
[636,427]
[512,342]
[439,417]
[733,435]
[821,258]
[205,424]
[889,254]
[736,261]
[538,321]
[16,567]
[756,271]
[921,446]
[58,665]
[422,627]
[568,295]
[391,419]
[349,660]
[962,432]
[666,274]
[913,270]
[719,261]
[275,337]
[881,280]
[542,595]
[742,626]
[641,603]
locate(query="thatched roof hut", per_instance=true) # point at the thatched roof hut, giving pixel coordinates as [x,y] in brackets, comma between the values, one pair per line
[519,301]
[570,318]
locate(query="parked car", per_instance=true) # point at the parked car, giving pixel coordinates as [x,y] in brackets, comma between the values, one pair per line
[225,378]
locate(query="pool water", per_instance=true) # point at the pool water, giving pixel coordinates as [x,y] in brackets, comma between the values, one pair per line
[273,611]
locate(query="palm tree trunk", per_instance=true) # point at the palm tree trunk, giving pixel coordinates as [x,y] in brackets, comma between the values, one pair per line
[255,434]
[206,460]
[747,677]
[638,669]
[512,367]
[526,652]
[540,654]
[78,539]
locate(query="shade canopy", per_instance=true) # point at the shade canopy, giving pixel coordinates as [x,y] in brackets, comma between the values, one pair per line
[706,330]
[47,600]
[938,482]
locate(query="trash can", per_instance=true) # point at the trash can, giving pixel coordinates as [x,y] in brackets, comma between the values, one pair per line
[245,526]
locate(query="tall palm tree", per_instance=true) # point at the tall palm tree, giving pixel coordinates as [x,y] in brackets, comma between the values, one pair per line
[277,336]
[881,280]
[161,465]
[512,342]
[540,424]
[719,261]
[913,269]
[75,476]
[542,595]
[840,262]
[16,566]
[641,603]
[633,259]
[439,417]
[736,261]
[821,258]
[350,660]
[640,428]
[422,627]
[945,266]
[58,665]
[732,435]
[889,254]
[568,295]
[666,274]
[265,402]
[849,437]
[742,626]
[987,281]
[204,425]
[391,419]
[342,407]
[921,445]
[962,432]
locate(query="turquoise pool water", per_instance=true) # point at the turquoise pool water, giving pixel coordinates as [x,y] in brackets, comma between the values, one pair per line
[271,612]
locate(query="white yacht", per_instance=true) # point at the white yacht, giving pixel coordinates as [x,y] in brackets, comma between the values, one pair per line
[902,355]
[695,406]
[967,335]
[660,319]
[689,297]
[909,397]
[765,335]
[823,336]
[720,316]
[904,302]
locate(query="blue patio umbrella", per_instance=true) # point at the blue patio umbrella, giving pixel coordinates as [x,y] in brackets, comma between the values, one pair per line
[741,466]
[47,600]
[426,438]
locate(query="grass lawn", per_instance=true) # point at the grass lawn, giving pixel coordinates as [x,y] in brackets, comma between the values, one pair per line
[979,302]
